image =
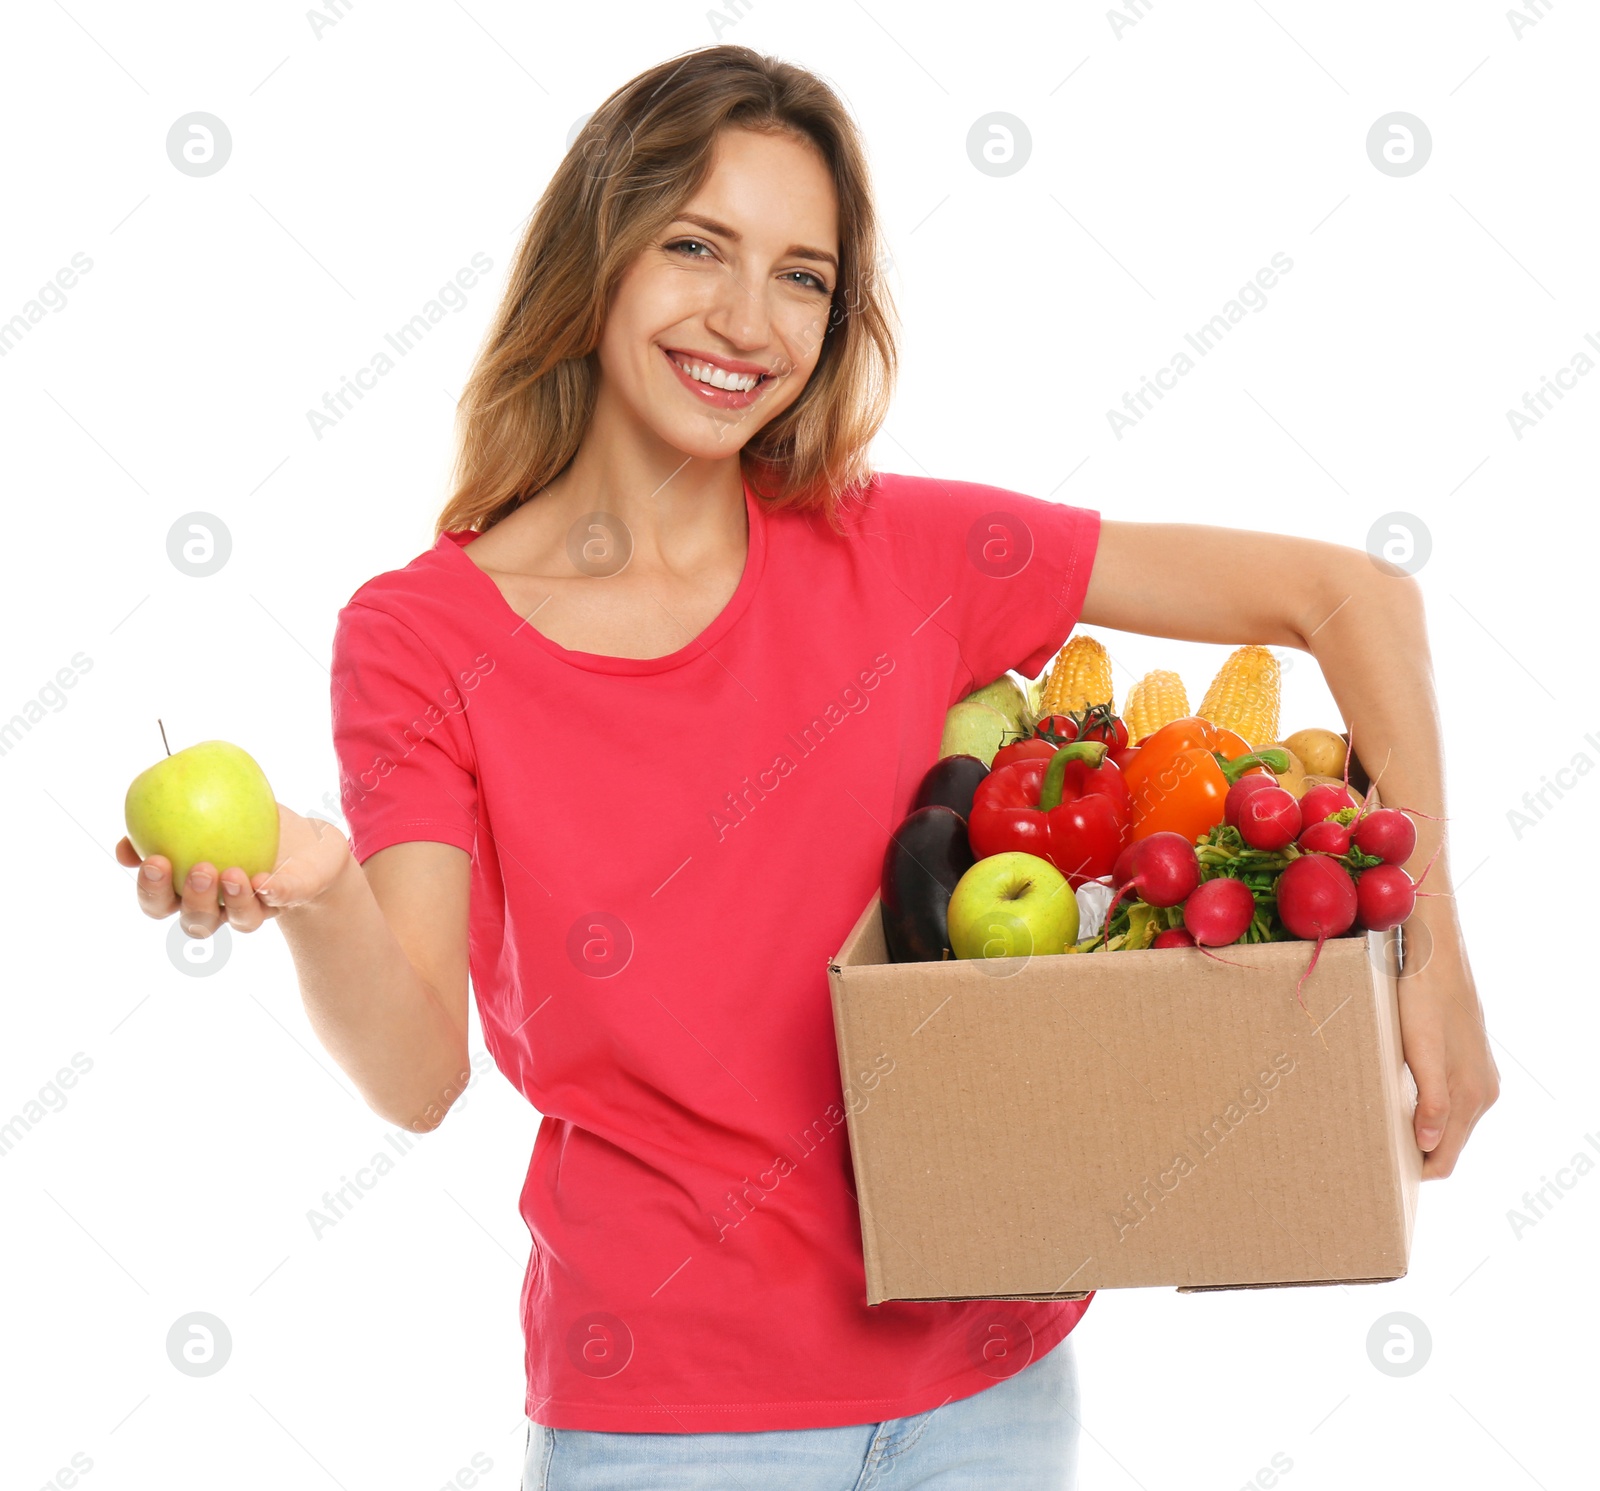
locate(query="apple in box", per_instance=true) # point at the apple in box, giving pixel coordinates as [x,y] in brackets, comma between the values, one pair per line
[1010,906]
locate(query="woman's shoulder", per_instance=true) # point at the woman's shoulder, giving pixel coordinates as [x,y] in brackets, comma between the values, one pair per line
[418,604]
[428,572]
[934,504]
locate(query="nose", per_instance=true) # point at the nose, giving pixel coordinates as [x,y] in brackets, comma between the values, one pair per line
[740,313]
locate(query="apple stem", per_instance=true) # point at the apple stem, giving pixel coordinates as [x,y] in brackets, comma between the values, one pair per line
[163,729]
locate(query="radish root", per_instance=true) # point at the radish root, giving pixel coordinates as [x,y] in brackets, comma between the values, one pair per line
[1229,961]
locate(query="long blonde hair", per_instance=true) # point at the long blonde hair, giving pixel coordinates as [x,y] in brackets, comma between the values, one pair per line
[640,156]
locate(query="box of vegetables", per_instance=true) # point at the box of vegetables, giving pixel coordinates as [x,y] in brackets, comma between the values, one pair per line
[1130,980]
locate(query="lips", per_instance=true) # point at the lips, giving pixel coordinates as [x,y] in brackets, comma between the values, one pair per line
[718,398]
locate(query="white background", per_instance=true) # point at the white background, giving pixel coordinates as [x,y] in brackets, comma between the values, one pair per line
[1168,164]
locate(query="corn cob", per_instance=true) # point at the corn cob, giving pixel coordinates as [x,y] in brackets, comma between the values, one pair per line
[1080,677]
[1243,697]
[1157,699]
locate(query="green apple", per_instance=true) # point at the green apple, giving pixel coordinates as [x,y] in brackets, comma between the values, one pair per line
[1010,906]
[974,729]
[207,802]
[1004,696]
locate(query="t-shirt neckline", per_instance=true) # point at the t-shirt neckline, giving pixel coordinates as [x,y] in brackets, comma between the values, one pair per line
[455,541]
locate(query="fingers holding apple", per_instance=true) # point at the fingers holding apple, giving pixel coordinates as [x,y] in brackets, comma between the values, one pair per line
[208,802]
[214,842]
[196,897]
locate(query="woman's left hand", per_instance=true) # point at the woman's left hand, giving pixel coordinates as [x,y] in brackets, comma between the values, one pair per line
[1443,1034]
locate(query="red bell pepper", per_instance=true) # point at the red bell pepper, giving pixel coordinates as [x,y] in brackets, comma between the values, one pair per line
[1072,809]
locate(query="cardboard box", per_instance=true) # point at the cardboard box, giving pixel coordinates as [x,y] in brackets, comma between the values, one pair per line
[1037,1128]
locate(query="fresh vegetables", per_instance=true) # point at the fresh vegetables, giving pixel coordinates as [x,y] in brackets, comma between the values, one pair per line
[1385,896]
[1072,810]
[1244,695]
[1180,778]
[1328,837]
[1181,828]
[973,728]
[927,855]
[1323,801]
[1251,782]
[1268,819]
[1096,722]
[1219,912]
[1080,677]
[1093,722]
[951,780]
[1161,870]
[1387,833]
[1350,786]
[1156,700]
[1316,899]
[1321,752]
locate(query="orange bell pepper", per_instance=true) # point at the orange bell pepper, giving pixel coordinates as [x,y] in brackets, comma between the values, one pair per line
[1180,776]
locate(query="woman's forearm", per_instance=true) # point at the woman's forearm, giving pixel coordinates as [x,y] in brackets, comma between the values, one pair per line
[1368,632]
[370,1008]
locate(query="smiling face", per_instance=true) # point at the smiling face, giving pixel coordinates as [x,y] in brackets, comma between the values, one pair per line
[716,326]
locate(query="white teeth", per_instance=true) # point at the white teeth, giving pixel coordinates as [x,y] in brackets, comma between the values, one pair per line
[703,372]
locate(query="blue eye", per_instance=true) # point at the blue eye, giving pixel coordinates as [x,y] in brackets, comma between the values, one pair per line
[678,244]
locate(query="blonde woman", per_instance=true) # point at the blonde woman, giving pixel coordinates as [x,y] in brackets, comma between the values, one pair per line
[628,741]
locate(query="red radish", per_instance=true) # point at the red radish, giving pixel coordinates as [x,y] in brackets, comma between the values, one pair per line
[1316,898]
[1386,832]
[1219,912]
[1173,937]
[1385,896]
[1323,801]
[1326,837]
[1268,819]
[1161,870]
[1233,803]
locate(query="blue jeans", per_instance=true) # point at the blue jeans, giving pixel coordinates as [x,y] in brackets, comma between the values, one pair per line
[1020,1434]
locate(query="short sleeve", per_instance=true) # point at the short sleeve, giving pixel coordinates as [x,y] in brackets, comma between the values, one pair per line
[1003,573]
[406,763]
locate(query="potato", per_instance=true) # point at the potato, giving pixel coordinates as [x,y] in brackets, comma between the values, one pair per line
[1322,751]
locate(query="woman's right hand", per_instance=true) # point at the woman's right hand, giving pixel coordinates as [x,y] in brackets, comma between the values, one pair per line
[313,856]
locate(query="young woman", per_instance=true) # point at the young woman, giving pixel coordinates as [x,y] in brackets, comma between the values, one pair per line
[629,740]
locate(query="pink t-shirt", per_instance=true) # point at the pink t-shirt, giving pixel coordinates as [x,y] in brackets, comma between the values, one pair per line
[665,854]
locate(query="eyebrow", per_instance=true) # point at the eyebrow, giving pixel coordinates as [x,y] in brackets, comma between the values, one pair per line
[722,230]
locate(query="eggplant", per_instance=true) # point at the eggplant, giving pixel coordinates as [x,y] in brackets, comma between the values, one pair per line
[951,780]
[927,854]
